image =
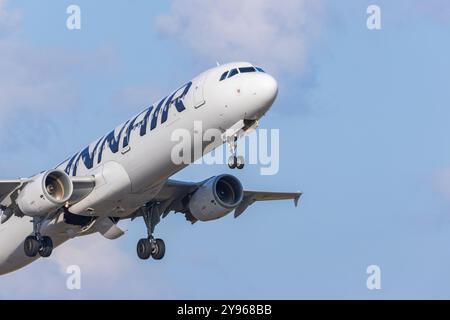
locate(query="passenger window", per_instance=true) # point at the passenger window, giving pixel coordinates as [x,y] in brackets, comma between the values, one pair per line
[247,70]
[260,70]
[233,73]
[224,76]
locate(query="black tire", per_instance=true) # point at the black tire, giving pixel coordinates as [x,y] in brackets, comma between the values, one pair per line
[31,246]
[232,162]
[144,249]
[46,248]
[240,162]
[159,249]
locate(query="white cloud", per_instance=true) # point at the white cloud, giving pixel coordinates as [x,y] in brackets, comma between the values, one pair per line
[41,79]
[273,34]
[95,255]
[38,81]
[102,264]
[8,19]
[137,95]
[107,272]
[30,78]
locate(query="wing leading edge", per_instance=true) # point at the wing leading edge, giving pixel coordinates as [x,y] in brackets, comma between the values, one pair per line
[251,197]
[174,192]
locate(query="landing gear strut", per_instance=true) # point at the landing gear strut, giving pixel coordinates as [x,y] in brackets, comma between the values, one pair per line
[235,161]
[151,247]
[37,244]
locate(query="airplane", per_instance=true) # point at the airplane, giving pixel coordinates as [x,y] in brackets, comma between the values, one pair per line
[126,173]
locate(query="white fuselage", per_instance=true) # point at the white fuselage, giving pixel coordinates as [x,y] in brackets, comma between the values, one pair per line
[132,163]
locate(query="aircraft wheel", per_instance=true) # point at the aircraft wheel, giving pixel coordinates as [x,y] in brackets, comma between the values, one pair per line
[144,249]
[240,162]
[159,249]
[46,248]
[232,162]
[31,246]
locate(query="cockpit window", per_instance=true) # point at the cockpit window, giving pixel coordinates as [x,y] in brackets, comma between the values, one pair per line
[232,73]
[247,69]
[224,76]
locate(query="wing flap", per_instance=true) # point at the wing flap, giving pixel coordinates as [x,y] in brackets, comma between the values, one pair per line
[109,229]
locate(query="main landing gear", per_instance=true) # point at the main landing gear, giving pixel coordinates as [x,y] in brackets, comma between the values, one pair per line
[37,244]
[235,161]
[151,247]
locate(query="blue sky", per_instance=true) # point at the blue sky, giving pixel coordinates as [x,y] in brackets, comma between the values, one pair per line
[363,121]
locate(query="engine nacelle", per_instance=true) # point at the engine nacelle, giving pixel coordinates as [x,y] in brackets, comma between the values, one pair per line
[216,198]
[46,192]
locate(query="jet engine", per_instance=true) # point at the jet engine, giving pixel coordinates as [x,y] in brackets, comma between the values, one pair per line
[216,197]
[46,192]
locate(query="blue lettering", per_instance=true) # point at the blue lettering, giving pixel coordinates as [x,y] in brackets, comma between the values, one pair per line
[126,140]
[87,157]
[145,122]
[178,103]
[69,164]
[156,113]
[113,143]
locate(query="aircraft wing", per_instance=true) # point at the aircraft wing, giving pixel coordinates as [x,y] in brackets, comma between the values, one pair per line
[82,187]
[251,197]
[8,186]
[174,194]
[174,189]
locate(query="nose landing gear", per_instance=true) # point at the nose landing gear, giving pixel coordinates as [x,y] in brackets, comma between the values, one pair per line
[235,161]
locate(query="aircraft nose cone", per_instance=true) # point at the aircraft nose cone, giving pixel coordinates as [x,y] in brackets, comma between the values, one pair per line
[268,89]
[265,91]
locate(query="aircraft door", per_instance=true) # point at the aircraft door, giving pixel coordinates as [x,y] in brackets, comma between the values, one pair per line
[199,91]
